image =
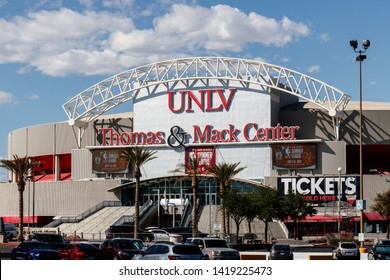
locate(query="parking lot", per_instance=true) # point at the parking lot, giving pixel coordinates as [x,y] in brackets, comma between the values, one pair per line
[300,252]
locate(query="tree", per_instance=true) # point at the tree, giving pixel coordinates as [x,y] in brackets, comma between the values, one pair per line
[137,156]
[295,207]
[192,168]
[268,207]
[21,167]
[224,172]
[236,203]
[382,206]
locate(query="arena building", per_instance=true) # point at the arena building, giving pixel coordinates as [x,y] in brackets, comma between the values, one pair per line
[289,130]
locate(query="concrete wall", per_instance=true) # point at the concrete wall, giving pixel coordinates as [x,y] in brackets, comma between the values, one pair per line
[59,138]
[57,198]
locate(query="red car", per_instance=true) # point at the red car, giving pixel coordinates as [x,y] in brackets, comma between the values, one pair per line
[80,251]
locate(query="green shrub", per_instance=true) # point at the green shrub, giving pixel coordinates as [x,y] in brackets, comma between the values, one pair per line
[250,236]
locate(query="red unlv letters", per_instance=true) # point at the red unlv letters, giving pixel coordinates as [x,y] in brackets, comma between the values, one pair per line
[208,100]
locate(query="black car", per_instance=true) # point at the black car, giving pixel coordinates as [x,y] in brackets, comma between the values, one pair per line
[127,231]
[281,252]
[34,250]
[383,242]
[379,252]
[55,241]
[121,248]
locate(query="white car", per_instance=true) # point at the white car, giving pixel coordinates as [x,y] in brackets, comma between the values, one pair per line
[159,234]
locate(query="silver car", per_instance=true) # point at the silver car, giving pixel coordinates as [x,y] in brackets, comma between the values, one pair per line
[346,250]
[165,251]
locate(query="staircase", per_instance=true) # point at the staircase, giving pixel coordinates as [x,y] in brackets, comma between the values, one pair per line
[94,226]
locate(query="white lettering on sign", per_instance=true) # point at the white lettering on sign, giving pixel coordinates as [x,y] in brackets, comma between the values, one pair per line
[318,185]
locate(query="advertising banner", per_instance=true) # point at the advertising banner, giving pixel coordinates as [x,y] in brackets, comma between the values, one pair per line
[108,161]
[294,156]
[207,155]
[322,190]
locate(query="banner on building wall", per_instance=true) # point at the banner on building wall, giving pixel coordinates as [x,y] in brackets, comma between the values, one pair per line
[322,190]
[108,161]
[207,155]
[294,156]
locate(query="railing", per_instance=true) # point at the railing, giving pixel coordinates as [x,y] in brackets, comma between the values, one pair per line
[85,214]
[186,215]
[129,219]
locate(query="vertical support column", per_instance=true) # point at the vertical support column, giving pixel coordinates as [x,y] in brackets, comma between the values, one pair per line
[57,168]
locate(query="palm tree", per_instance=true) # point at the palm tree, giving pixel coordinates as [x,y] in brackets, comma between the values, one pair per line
[21,167]
[137,156]
[193,170]
[224,172]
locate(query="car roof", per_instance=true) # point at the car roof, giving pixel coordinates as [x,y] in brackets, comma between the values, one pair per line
[33,241]
[383,242]
[126,238]
[280,245]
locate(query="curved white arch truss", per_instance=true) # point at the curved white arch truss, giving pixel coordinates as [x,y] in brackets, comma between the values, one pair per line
[111,92]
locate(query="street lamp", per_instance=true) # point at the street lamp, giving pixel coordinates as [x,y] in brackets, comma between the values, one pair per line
[158,206]
[339,192]
[360,58]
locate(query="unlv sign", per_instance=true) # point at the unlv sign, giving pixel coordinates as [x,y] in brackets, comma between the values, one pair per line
[207,100]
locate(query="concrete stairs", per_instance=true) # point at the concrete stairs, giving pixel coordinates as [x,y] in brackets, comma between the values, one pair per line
[94,226]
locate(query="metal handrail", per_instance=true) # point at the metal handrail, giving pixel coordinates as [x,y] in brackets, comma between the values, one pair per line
[85,214]
[129,219]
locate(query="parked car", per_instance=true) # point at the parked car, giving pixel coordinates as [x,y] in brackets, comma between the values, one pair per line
[379,252]
[281,252]
[55,241]
[34,250]
[215,248]
[159,234]
[127,231]
[10,231]
[346,250]
[164,251]
[121,248]
[184,232]
[383,242]
[80,251]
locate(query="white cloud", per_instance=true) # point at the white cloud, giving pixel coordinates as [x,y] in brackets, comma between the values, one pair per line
[65,41]
[6,98]
[33,97]
[314,69]
[325,37]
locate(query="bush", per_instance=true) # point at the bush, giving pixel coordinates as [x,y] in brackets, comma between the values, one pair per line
[250,236]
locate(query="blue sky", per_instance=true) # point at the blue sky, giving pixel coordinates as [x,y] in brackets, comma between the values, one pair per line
[50,50]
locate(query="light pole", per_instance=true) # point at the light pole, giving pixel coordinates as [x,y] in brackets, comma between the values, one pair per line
[360,58]
[158,206]
[339,192]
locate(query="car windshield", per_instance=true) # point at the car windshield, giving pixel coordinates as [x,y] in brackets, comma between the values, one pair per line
[85,246]
[52,238]
[348,245]
[32,246]
[186,250]
[383,249]
[216,244]
[127,244]
[282,247]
